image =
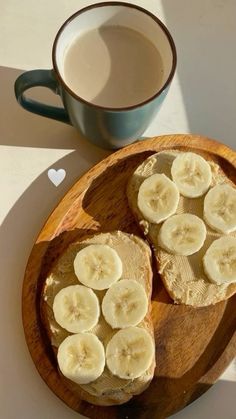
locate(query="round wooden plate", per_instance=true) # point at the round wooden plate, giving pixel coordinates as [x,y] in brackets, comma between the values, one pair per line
[193,346]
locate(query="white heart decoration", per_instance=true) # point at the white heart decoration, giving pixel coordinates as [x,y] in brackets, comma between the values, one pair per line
[56,176]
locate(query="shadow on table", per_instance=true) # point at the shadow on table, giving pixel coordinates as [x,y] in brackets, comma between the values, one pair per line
[204,33]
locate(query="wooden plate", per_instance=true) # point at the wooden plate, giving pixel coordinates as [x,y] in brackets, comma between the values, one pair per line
[193,346]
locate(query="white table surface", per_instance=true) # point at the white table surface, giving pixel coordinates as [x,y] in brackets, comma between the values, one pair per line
[201,100]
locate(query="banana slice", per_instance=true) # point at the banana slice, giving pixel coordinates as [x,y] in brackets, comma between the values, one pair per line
[192,174]
[182,234]
[220,208]
[98,266]
[81,358]
[158,198]
[219,261]
[125,304]
[76,308]
[130,352]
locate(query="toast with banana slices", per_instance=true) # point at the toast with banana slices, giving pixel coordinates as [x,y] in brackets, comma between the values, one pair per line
[184,204]
[96,308]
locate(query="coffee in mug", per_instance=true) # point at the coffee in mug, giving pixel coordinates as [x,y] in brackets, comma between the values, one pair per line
[113,66]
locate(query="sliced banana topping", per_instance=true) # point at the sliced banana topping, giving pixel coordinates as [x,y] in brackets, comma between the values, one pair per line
[158,198]
[182,234]
[76,308]
[219,261]
[81,358]
[192,174]
[130,352]
[220,208]
[125,304]
[98,266]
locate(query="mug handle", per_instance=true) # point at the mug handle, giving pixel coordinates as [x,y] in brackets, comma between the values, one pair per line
[35,78]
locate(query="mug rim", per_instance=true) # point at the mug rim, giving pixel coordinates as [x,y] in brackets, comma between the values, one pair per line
[132,6]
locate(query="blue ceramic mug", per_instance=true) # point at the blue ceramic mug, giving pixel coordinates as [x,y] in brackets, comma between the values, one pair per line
[106,125]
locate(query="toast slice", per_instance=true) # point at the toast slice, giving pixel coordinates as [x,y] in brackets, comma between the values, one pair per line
[136,258]
[182,276]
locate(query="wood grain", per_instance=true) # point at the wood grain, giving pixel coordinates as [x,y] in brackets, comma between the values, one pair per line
[193,346]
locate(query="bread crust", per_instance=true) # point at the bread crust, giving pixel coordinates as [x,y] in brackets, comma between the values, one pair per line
[182,276]
[135,254]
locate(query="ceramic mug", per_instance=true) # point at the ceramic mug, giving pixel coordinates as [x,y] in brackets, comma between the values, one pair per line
[106,127]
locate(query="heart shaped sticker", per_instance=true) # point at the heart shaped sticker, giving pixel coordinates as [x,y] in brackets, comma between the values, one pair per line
[56,176]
